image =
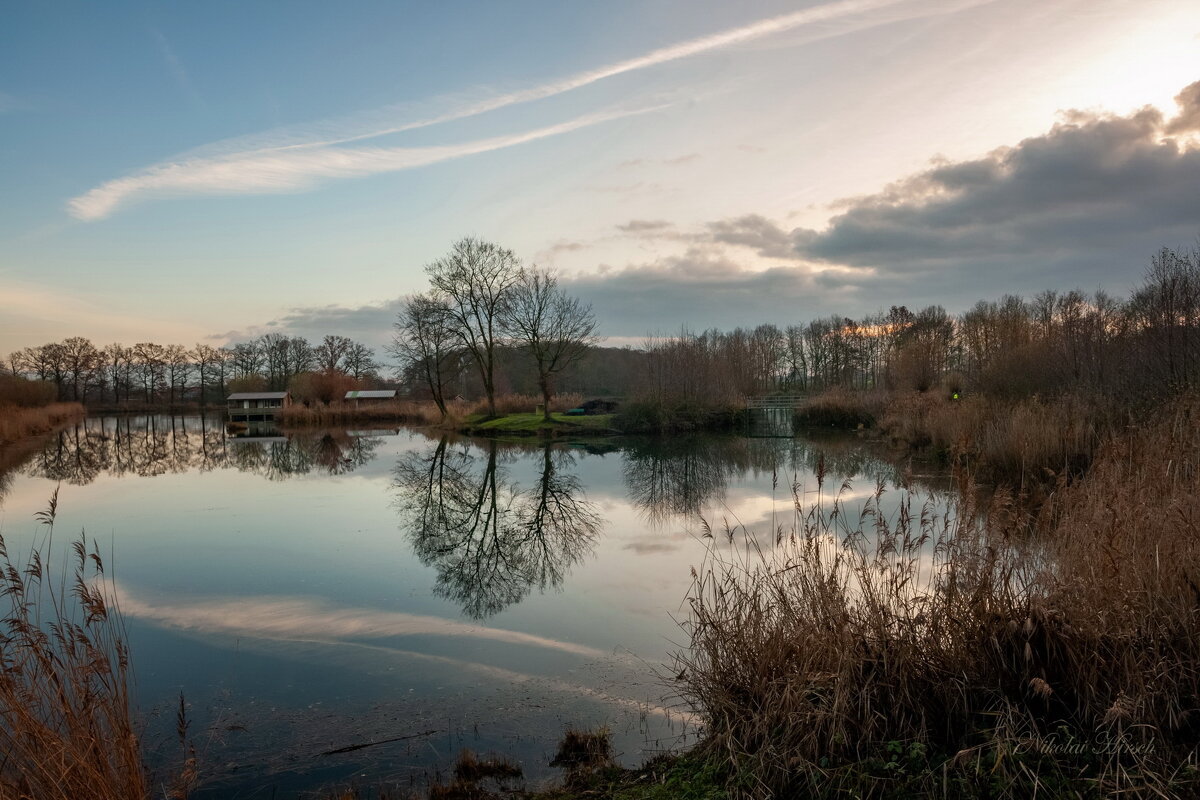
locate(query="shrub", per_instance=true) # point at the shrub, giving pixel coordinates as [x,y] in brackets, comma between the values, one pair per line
[839,408]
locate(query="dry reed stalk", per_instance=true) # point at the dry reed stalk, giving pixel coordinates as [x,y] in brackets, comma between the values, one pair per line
[1024,443]
[66,728]
[931,654]
[397,411]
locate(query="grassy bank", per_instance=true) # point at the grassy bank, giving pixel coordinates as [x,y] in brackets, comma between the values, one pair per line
[589,771]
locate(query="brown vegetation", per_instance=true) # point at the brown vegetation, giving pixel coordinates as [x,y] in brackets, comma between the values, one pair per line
[20,423]
[414,412]
[1022,443]
[841,408]
[65,722]
[947,657]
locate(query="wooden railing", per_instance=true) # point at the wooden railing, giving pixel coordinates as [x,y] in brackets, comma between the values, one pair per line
[774,401]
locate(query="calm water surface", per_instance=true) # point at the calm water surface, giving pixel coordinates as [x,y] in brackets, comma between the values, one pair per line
[316,591]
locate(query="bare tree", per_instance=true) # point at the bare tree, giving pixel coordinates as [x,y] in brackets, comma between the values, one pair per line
[425,344]
[359,361]
[206,357]
[331,352]
[554,327]
[476,280]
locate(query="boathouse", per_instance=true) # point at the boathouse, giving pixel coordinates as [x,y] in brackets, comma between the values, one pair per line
[256,406]
[370,396]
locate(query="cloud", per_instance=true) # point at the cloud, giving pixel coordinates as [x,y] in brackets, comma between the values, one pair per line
[370,324]
[640,226]
[300,617]
[1078,205]
[1188,119]
[1083,205]
[293,159]
[260,172]
[704,287]
[756,232]
[818,15]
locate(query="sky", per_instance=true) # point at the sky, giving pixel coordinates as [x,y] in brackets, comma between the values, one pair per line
[206,172]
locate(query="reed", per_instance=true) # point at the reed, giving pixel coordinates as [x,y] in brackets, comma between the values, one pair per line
[841,408]
[969,654]
[18,423]
[66,728]
[396,411]
[1020,443]
[415,412]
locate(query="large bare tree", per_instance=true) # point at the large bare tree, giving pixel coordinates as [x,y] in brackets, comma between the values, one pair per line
[426,345]
[554,327]
[476,279]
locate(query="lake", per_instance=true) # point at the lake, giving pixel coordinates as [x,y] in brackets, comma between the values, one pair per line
[317,591]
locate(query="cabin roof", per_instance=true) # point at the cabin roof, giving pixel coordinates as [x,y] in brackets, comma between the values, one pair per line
[371,394]
[257,396]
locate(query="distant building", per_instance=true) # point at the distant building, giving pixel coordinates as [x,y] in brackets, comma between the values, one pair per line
[370,396]
[256,406]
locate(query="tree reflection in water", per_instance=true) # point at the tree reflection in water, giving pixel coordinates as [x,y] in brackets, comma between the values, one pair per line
[158,445]
[491,541]
[679,477]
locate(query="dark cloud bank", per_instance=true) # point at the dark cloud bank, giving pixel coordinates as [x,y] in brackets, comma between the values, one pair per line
[1082,206]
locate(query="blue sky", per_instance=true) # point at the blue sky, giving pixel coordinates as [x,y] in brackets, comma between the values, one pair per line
[176,172]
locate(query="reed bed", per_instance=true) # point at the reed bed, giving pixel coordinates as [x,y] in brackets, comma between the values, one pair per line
[396,411]
[18,423]
[415,412]
[841,408]
[1020,443]
[969,654]
[66,728]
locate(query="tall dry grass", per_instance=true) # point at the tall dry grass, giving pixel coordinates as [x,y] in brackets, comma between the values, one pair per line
[395,411]
[1021,443]
[416,412]
[66,725]
[841,408]
[18,423]
[972,654]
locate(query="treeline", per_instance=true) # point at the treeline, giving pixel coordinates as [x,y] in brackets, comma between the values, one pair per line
[148,373]
[1056,342]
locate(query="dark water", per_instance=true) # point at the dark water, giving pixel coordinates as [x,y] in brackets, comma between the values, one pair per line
[316,591]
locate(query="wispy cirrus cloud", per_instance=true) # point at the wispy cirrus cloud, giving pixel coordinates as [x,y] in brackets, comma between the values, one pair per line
[294,159]
[274,171]
[384,122]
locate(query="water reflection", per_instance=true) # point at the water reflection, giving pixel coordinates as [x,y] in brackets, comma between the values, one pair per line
[158,445]
[491,541]
[680,477]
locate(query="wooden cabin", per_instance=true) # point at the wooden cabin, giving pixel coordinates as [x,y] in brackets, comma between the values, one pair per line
[370,396]
[256,406]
